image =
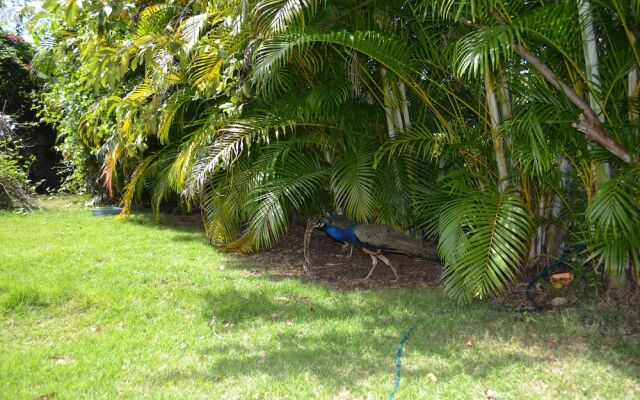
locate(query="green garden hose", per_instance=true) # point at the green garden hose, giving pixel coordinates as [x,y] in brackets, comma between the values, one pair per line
[536,308]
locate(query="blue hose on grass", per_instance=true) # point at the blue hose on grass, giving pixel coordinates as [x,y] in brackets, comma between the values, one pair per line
[536,308]
[396,382]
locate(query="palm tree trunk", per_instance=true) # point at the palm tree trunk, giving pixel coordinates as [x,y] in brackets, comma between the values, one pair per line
[601,171]
[632,84]
[505,98]
[388,107]
[498,145]
[557,232]
[402,89]
[442,164]
[395,107]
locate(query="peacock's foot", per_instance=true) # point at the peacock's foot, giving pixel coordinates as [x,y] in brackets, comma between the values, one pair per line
[346,247]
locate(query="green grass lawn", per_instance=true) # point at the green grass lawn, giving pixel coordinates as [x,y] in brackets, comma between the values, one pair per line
[96,307]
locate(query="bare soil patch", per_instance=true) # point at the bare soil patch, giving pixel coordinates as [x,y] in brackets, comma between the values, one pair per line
[331,265]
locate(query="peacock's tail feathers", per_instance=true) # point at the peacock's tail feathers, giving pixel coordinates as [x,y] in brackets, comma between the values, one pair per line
[386,238]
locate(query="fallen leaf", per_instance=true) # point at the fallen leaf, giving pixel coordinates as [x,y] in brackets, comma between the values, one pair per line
[47,396]
[121,325]
[432,377]
[64,360]
[96,329]
[469,343]
[388,320]
[290,322]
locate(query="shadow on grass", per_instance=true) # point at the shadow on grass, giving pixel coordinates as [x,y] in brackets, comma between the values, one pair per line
[274,333]
[188,228]
[180,223]
[343,343]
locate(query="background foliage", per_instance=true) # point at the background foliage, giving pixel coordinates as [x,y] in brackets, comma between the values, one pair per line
[15,88]
[504,130]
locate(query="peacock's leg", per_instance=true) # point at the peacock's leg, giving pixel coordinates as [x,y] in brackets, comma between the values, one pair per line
[375,256]
[386,261]
[350,247]
[374,261]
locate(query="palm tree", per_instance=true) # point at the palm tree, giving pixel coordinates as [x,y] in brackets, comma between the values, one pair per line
[459,120]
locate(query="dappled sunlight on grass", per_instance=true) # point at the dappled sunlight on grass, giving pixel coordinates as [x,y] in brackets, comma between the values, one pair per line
[104,308]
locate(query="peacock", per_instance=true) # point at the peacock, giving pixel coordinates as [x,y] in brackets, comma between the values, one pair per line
[373,239]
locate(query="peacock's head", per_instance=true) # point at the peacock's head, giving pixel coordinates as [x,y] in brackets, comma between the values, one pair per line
[322,224]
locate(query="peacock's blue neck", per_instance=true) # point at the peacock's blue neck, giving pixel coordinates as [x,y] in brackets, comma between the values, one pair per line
[343,235]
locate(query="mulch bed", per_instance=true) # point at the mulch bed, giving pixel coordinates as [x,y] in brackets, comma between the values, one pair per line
[330,265]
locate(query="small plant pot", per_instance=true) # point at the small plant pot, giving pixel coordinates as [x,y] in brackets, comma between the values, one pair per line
[103,211]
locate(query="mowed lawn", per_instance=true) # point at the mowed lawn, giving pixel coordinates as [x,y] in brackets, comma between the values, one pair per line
[101,308]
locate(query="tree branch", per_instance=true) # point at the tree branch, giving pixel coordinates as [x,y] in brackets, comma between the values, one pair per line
[589,123]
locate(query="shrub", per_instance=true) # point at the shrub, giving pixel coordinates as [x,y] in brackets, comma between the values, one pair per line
[16,190]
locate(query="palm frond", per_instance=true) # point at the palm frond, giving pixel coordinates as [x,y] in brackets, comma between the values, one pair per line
[136,183]
[153,19]
[394,54]
[614,212]
[205,70]
[354,183]
[328,96]
[173,105]
[485,48]
[493,236]
[230,142]
[298,184]
[482,237]
[190,29]
[141,92]
[279,15]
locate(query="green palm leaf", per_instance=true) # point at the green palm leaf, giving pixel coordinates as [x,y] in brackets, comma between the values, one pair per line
[614,212]
[229,144]
[485,48]
[354,184]
[191,28]
[279,15]
[298,184]
[483,240]
[388,50]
